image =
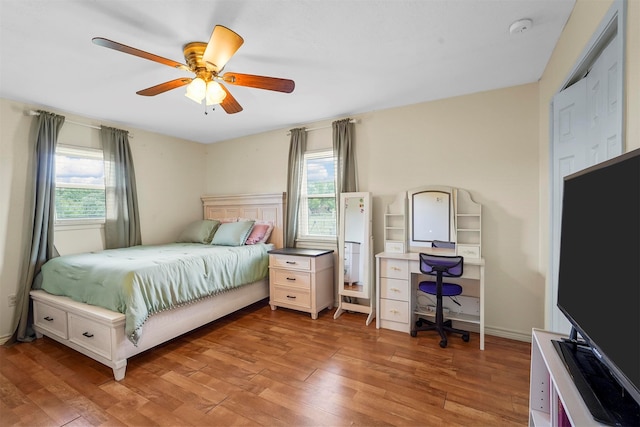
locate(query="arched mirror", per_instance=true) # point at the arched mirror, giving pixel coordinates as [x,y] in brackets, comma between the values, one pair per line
[446,214]
[431,213]
[355,247]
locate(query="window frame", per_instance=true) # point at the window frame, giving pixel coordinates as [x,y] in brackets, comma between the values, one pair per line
[82,152]
[302,233]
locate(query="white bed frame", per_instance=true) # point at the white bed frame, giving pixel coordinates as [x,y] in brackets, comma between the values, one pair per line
[99,333]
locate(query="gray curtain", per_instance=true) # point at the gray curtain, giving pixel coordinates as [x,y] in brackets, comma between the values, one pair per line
[297,148]
[344,150]
[41,219]
[122,222]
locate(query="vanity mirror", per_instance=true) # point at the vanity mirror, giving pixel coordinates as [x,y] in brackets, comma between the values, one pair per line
[435,213]
[355,244]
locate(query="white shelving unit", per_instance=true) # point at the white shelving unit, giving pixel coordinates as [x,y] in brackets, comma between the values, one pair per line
[553,397]
[395,225]
[468,225]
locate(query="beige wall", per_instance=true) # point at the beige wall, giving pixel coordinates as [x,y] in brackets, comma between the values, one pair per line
[494,155]
[583,23]
[494,144]
[170,174]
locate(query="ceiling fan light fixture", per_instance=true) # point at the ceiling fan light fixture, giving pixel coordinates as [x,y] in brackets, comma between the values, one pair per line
[215,93]
[196,90]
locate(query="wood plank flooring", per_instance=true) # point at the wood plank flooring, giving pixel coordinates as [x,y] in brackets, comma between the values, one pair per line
[273,368]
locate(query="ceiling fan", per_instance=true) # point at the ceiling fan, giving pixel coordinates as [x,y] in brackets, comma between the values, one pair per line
[206,61]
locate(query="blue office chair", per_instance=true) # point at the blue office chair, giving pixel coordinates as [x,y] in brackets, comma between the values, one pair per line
[440,266]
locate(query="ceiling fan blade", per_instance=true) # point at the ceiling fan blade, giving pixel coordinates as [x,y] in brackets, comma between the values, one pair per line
[260,82]
[137,52]
[221,47]
[163,87]
[229,103]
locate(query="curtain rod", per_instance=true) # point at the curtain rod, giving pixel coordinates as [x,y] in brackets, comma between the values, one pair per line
[322,127]
[35,113]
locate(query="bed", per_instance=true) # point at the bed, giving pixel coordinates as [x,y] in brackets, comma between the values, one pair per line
[99,333]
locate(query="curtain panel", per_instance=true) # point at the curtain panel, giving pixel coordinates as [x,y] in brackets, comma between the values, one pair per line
[344,151]
[122,222]
[297,148]
[42,217]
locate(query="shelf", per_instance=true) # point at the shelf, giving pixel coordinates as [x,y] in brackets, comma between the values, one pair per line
[460,317]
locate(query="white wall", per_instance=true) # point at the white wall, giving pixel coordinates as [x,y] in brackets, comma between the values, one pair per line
[170,175]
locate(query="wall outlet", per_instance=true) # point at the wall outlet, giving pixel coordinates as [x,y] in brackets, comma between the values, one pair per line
[11,300]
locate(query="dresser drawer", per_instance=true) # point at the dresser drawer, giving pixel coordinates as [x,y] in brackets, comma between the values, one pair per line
[291,296]
[292,278]
[394,269]
[469,251]
[90,334]
[395,289]
[50,319]
[397,311]
[291,262]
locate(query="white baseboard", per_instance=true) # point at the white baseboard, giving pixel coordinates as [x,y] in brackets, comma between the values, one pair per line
[4,339]
[508,333]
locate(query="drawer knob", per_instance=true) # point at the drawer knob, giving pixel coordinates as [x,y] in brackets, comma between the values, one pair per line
[291,262]
[395,289]
[291,296]
[394,311]
[396,268]
[88,335]
[49,319]
[293,279]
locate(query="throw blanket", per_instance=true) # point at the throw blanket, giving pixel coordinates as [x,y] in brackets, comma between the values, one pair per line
[142,280]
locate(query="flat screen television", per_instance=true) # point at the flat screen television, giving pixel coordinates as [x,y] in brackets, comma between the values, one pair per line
[599,284]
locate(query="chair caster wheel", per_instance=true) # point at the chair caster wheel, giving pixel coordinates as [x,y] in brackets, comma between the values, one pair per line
[443,343]
[465,338]
[414,334]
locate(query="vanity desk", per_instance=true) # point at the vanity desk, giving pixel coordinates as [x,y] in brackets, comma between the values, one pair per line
[413,222]
[398,275]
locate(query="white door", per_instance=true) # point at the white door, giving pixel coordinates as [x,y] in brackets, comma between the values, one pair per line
[586,131]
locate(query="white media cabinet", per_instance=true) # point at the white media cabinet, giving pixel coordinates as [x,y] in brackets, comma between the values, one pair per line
[553,397]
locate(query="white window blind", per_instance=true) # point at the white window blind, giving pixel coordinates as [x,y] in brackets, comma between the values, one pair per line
[80,190]
[317,215]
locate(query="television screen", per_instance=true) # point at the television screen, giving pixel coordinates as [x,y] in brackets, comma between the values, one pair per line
[599,266]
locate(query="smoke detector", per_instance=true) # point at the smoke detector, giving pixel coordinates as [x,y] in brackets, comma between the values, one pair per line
[520,26]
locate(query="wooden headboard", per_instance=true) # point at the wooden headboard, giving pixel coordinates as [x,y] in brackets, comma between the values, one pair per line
[262,206]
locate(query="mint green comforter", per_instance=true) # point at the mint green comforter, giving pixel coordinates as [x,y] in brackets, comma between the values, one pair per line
[143,280]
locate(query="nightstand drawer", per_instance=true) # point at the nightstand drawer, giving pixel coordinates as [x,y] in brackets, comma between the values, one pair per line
[394,268]
[291,296]
[291,262]
[90,334]
[293,278]
[50,319]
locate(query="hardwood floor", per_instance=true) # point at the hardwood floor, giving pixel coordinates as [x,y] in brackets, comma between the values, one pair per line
[263,367]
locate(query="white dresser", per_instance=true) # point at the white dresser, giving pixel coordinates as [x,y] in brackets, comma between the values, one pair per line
[301,279]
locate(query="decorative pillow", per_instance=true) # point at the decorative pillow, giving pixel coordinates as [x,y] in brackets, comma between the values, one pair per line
[259,233]
[232,233]
[199,231]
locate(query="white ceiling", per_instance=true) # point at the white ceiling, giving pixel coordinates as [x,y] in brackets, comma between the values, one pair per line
[346,57]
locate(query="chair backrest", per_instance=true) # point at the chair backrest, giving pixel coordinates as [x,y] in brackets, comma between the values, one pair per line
[449,266]
[443,244]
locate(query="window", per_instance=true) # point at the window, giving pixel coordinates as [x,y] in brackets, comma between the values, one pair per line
[80,194]
[317,216]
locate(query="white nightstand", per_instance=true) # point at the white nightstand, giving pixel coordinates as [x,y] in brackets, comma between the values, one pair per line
[301,279]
